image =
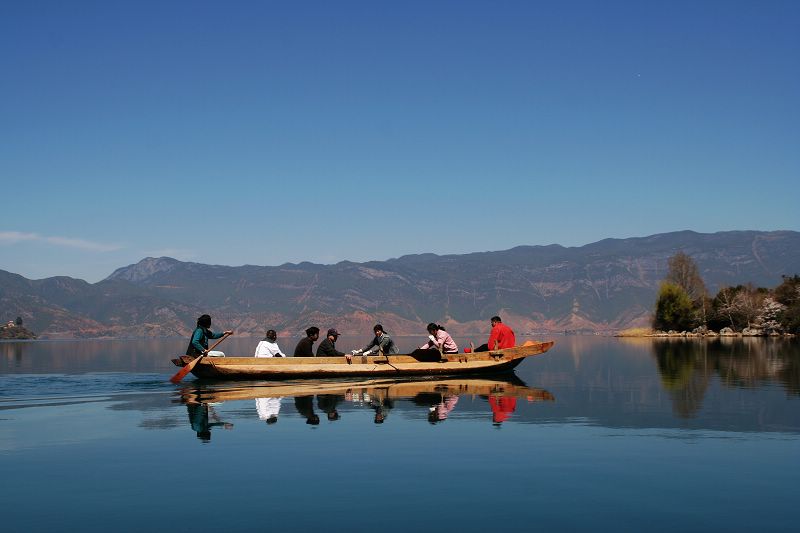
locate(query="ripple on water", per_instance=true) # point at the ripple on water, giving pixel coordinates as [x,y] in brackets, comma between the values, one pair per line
[44,387]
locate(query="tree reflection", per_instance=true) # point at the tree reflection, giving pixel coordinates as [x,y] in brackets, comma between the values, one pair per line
[752,362]
[683,367]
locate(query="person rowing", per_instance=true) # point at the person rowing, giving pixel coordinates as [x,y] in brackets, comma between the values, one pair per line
[198,345]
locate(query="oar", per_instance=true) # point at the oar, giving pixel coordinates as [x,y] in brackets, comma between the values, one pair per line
[386,355]
[188,368]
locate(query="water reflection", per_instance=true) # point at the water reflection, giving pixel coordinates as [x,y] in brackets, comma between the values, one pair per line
[726,384]
[438,398]
[202,417]
[268,409]
[687,366]
[327,404]
[305,406]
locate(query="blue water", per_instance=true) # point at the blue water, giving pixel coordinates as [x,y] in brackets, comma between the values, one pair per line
[600,434]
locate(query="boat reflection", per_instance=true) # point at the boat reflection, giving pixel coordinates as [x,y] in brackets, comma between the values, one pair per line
[438,397]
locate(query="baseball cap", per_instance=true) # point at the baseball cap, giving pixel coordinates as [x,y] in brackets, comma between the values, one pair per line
[333,332]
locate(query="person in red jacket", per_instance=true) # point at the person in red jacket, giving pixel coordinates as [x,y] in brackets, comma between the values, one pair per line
[501,337]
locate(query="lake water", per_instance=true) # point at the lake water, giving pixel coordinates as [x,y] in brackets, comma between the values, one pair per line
[598,434]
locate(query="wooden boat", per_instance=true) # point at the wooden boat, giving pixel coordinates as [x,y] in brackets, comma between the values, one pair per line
[380,388]
[360,366]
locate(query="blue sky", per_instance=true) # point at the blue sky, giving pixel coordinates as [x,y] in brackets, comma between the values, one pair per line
[271,132]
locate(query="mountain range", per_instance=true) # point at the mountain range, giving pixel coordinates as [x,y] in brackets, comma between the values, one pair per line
[603,286]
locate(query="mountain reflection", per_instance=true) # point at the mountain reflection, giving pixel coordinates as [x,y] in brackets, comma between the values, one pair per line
[686,367]
[438,398]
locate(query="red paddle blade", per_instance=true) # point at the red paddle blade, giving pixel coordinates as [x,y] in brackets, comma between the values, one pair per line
[181,374]
[183,371]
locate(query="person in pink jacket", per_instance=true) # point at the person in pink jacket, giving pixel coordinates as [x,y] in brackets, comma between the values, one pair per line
[438,339]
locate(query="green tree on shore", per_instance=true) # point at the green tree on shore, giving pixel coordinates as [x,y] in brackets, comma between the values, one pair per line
[674,309]
[684,273]
[788,294]
[682,301]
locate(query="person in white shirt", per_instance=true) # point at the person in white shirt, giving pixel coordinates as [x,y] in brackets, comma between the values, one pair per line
[269,346]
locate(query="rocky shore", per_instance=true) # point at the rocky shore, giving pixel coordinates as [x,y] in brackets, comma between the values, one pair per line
[16,333]
[702,332]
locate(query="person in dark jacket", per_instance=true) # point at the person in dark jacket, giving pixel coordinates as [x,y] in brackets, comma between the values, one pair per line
[199,343]
[305,348]
[381,343]
[327,348]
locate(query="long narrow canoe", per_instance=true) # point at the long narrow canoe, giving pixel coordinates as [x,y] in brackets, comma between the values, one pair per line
[393,365]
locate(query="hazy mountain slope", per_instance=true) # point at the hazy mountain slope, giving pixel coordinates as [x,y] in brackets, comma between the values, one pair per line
[604,285]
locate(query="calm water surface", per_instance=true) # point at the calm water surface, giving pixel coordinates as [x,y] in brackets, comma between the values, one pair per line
[599,433]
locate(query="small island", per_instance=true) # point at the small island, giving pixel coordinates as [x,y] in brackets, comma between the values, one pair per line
[14,330]
[685,309]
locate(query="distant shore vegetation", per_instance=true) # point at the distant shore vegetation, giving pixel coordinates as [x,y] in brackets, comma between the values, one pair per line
[14,330]
[684,307]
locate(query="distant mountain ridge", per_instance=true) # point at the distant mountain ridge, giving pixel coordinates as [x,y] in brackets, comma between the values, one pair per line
[606,285]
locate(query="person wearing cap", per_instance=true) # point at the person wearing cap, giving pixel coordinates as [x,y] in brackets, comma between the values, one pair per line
[305,348]
[500,338]
[381,343]
[327,348]
[198,344]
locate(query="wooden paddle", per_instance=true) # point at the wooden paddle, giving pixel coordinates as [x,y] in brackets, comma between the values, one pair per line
[386,355]
[188,368]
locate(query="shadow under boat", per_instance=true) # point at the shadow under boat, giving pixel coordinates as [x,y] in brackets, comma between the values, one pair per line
[214,391]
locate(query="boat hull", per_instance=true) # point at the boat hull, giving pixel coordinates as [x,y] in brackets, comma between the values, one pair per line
[393,365]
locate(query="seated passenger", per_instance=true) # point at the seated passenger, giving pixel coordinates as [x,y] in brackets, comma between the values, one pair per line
[381,343]
[500,338]
[269,346]
[305,348]
[439,342]
[327,348]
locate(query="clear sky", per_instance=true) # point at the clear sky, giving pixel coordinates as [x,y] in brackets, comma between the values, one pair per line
[270,132]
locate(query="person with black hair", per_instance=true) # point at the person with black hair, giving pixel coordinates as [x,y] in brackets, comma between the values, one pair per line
[502,337]
[305,348]
[269,346]
[198,345]
[381,343]
[439,342]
